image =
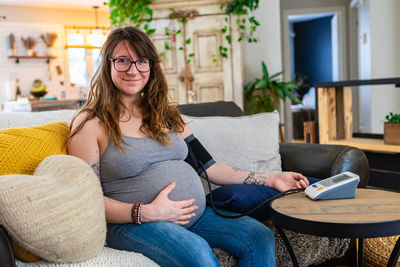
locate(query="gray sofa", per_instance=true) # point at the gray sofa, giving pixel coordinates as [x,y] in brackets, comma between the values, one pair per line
[312,160]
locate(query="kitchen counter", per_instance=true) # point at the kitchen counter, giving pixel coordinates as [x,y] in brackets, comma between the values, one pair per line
[42,105]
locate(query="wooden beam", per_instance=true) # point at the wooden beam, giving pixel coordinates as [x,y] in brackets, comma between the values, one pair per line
[340,132]
[348,112]
[327,114]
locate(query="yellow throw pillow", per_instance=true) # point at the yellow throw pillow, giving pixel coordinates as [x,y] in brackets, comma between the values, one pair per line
[22,149]
[22,254]
[58,212]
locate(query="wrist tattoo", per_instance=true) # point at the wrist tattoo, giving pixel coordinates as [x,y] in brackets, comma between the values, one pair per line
[253,178]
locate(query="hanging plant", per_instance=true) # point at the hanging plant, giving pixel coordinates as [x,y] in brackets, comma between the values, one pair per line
[141,15]
[137,11]
[247,24]
[183,17]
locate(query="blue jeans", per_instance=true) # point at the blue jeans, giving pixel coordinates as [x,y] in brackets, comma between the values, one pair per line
[169,244]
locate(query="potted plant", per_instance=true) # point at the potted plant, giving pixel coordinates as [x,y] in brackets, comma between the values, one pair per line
[49,39]
[29,44]
[262,95]
[392,129]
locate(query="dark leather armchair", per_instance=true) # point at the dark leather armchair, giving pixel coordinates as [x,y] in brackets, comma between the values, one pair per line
[323,161]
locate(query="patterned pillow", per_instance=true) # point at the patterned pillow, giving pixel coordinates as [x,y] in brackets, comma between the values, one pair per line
[58,212]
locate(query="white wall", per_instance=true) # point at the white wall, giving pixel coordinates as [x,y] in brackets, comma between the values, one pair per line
[385,59]
[364,67]
[300,4]
[269,48]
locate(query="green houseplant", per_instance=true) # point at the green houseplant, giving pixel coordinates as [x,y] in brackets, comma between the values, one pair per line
[392,129]
[393,118]
[262,95]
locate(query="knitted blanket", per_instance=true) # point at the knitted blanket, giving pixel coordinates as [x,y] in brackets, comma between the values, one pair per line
[107,258]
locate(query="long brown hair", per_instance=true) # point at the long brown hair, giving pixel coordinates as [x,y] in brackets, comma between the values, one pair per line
[104,97]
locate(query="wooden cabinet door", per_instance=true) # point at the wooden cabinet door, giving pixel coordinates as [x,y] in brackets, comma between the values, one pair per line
[212,73]
[172,58]
[196,46]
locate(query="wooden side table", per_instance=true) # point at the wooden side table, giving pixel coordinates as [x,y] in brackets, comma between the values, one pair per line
[372,213]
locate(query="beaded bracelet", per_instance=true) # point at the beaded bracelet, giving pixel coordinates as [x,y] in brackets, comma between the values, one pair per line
[136,212]
[133,213]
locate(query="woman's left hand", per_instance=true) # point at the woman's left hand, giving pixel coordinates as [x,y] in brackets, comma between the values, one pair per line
[287,180]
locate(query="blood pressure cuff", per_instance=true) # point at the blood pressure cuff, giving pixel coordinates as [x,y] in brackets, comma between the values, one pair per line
[198,157]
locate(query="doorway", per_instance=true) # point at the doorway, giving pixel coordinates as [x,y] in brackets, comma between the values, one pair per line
[313,52]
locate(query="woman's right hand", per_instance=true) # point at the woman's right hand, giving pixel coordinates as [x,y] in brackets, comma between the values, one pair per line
[164,209]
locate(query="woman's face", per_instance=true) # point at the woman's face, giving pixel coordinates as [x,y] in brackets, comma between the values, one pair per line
[130,82]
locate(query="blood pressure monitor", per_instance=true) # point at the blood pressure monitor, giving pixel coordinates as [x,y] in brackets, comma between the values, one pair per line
[342,185]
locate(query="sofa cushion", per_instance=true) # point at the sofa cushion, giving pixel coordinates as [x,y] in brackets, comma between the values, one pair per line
[25,119]
[246,142]
[58,212]
[22,149]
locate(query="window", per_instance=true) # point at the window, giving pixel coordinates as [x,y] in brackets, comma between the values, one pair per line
[83,48]
[82,65]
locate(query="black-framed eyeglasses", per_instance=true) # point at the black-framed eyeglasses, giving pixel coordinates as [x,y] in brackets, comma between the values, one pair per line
[123,64]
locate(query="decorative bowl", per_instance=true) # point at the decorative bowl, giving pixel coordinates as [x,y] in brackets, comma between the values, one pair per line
[39,93]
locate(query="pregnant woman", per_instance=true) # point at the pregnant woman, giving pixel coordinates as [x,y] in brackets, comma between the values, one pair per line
[137,144]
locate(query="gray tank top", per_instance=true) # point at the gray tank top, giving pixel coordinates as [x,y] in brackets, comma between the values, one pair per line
[146,167]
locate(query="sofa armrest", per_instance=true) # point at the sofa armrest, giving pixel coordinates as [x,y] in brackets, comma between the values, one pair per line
[323,161]
[6,254]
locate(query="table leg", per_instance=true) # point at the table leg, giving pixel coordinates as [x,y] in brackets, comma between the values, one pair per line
[394,256]
[288,246]
[360,262]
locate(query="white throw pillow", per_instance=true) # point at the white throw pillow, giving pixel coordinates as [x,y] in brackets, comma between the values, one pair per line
[246,142]
[58,212]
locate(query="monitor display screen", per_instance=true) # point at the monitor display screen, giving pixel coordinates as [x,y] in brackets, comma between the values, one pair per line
[340,178]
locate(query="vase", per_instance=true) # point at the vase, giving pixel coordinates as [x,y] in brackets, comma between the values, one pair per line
[392,133]
[12,51]
[49,51]
[29,52]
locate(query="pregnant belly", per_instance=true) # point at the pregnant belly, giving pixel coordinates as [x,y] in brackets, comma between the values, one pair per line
[148,184]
